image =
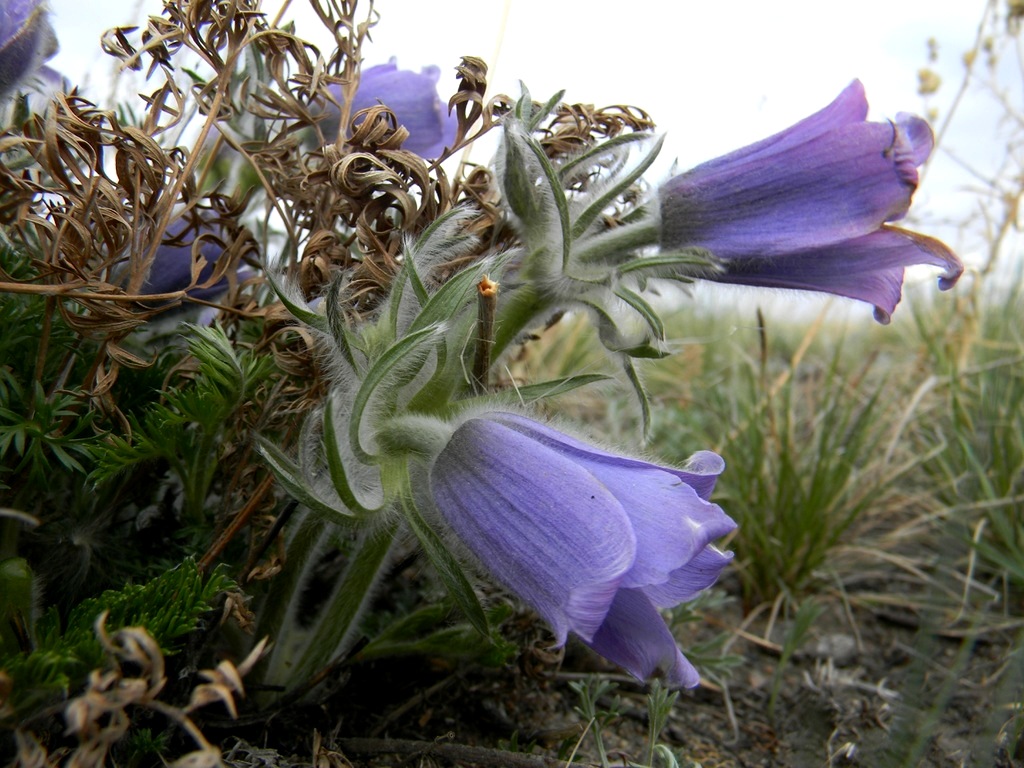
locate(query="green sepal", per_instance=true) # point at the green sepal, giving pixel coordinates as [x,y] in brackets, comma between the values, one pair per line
[524,108]
[532,393]
[410,268]
[546,108]
[645,310]
[588,216]
[387,366]
[641,395]
[454,295]
[517,181]
[447,567]
[434,226]
[336,466]
[438,389]
[410,273]
[305,314]
[665,265]
[290,478]
[644,352]
[619,245]
[586,158]
[557,197]
[336,322]
[610,336]
[555,387]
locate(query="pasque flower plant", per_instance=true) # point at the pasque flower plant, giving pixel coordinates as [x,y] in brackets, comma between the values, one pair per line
[412,287]
[595,542]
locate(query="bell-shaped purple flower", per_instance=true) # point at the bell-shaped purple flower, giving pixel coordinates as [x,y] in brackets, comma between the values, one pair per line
[26,41]
[596,543]
[807,208]
[412,97]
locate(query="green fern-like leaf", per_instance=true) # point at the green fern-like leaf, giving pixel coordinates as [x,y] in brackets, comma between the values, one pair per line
[190,427]
[168,606]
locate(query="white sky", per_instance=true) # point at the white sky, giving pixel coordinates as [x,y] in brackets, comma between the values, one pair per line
[715,75]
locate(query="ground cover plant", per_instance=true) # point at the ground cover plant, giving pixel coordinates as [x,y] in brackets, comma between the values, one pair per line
[320,447]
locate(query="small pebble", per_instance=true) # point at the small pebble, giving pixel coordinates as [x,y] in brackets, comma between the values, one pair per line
[841,648]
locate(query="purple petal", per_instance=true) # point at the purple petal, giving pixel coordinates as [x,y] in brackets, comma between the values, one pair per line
[541,524]
[849,108]
[840,185]
[13,16]
[806,208]
[687,582]
[918,135]
[413,99]
[672,522]
[700,472]
[636,638]
[868,268]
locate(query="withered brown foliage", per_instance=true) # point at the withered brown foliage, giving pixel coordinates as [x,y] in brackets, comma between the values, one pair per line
[94,192]
[134,679]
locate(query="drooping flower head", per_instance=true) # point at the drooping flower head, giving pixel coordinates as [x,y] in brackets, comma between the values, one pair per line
[26,41]
[808,208]
[596,543]
[412,97]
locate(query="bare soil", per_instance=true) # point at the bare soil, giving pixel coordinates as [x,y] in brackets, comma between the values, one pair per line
[882,685]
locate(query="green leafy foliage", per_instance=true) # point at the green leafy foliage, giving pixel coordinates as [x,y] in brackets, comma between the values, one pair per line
[189,429]
[168,606]
[44,433]
[43,430]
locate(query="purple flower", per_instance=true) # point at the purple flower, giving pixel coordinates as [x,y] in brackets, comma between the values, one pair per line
[413,99]
[26,41]
[595,543]
[807,208]
[172,266]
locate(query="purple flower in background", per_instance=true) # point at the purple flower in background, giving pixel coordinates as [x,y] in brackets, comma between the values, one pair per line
[26,41]
[172,266]
[807,208]
[412,97]
[595,542]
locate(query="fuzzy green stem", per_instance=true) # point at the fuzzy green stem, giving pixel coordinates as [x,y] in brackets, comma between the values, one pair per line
[338,619]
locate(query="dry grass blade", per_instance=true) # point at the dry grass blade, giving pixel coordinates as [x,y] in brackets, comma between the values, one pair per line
[225,682]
